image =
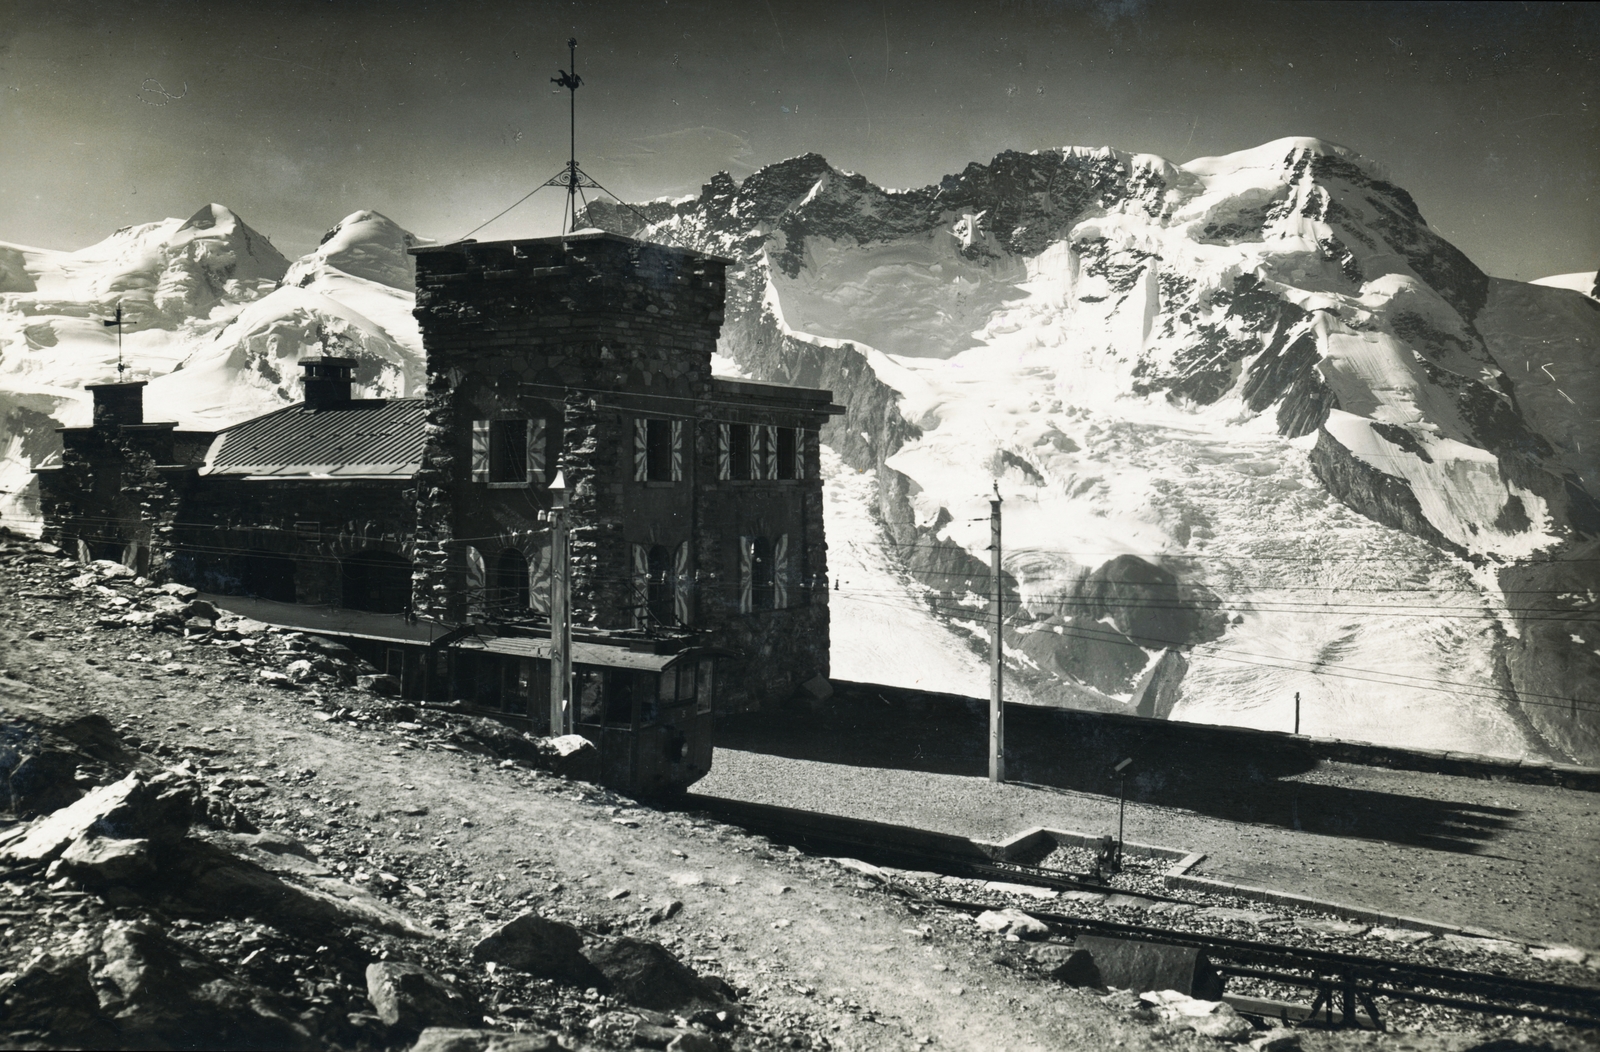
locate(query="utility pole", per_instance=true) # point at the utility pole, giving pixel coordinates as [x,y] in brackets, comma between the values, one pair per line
[561,715]
[997,709]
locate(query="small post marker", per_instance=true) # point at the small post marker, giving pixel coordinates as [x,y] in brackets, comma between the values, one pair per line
[1297,712]
[1121,771]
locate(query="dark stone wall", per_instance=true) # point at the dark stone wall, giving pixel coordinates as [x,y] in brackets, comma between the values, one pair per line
[314,522]
[615,330]
[118,492]
[777,650]
[557,330]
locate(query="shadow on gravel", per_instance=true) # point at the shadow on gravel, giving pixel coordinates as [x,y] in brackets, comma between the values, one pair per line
[1192,767]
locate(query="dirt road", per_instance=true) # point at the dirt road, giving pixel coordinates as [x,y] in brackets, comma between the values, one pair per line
[417,812]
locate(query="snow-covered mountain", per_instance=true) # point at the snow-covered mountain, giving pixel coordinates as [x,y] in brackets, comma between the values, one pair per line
[1259,430]
[214,318]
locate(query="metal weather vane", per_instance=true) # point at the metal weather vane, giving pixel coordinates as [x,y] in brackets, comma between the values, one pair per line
[117,321]
[575,179]
[572,177]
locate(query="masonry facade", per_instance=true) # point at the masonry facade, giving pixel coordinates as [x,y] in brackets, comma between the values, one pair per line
[695,500]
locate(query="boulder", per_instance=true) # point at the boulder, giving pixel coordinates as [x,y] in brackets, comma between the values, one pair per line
[1278,1039]
[1213,1019]
[156,809]
[570,756]
[201,609]
[277,844]
[382,683]
[300,671]
[410,998]
[545,948]
[98,861]
[166,604]
[161,994]
[643,1028]
[328,648]
[1013,922]
[43,782]
[441,1039]
[1072,966]
[53,1004]
[209,878]
[478,733]
[182,591]
[269,678]
[219,812]
[646,974]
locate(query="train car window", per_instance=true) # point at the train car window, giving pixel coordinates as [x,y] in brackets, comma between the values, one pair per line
[589,688]
[703,686]
[646,686]
[685,674]
[667,687]
[619,697]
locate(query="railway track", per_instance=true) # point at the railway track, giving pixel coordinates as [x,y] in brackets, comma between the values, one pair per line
[1342,985]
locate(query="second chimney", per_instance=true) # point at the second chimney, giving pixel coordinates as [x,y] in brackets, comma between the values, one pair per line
[327,382]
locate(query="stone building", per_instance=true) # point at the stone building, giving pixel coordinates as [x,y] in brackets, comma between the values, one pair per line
[418,527]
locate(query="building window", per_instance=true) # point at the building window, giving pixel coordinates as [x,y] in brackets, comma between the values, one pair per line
[789,465]
[760,451]
[658,595]
[657,450]
[766,578]
[741,452]
[662,585]
[509,452]
[761,573]
[508,588]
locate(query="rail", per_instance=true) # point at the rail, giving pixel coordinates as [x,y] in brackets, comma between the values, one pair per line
[1351,980]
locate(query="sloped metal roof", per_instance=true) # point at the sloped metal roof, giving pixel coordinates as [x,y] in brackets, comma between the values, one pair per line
[371,438]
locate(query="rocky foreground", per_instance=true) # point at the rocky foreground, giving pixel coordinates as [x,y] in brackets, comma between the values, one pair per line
[220,834]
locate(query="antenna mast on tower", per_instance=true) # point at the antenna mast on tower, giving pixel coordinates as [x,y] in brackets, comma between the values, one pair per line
[575,179]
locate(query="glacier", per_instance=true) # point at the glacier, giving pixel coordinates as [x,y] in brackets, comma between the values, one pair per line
[1259,430]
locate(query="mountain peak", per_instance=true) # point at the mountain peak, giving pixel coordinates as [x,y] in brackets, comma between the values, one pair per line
[364,244]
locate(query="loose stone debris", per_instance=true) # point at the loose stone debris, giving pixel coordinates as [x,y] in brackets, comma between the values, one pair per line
[175,863]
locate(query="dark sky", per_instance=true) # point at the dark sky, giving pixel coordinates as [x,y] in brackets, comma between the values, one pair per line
[441,114]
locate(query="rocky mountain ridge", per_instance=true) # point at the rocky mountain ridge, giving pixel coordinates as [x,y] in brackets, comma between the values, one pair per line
[1284,314]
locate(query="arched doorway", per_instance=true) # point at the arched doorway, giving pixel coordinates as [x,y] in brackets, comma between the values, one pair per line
[376,581]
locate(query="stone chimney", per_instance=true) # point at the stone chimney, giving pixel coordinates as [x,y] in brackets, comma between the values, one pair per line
[117,404]
[327,382]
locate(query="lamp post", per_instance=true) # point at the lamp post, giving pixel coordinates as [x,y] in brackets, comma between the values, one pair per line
[561,715]
[1121,771]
